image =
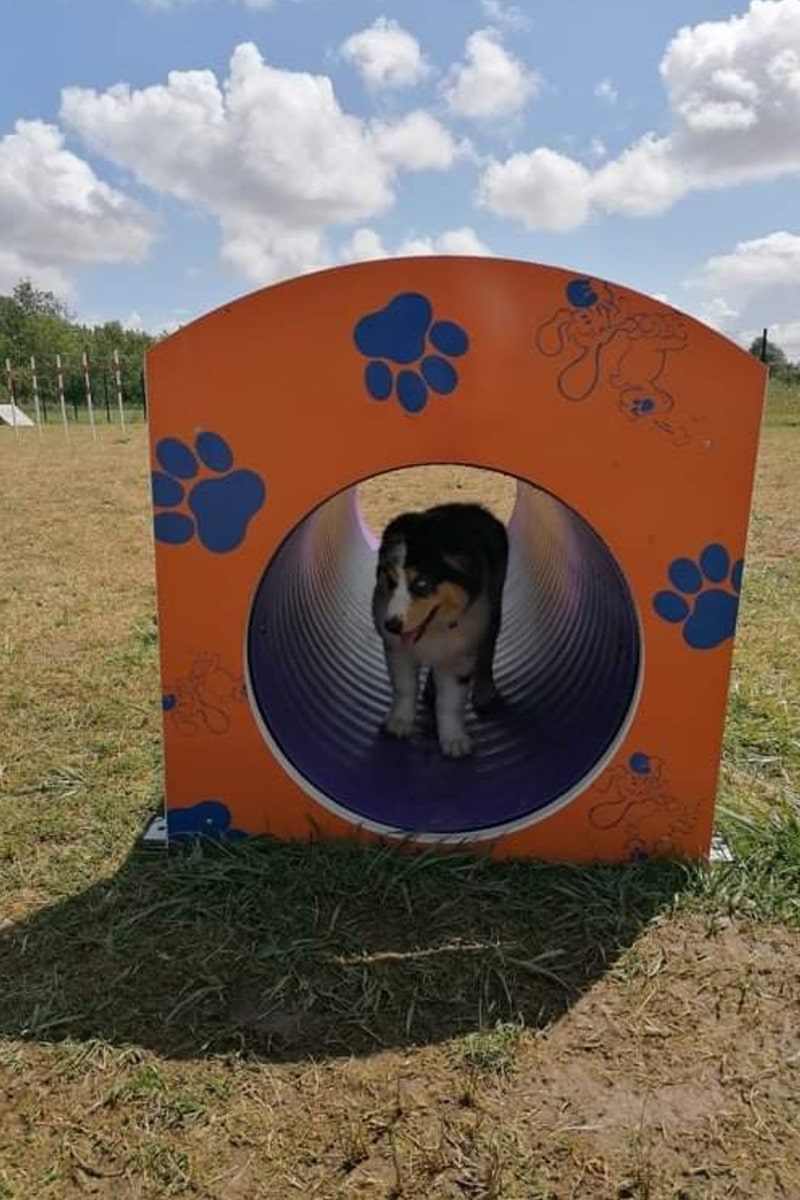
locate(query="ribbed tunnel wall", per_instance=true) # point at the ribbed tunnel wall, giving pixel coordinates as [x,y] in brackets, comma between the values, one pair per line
[567,665]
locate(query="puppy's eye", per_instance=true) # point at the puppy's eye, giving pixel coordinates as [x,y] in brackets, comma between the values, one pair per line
[421,586]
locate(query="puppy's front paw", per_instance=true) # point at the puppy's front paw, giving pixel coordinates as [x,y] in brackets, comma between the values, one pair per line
[399,726]
[456,745]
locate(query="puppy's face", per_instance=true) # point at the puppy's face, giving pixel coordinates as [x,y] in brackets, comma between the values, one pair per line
[418,591]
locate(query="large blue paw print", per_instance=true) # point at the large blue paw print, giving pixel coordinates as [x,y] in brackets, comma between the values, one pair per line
[222,505]
[403,333]
[209,819]
[708,613]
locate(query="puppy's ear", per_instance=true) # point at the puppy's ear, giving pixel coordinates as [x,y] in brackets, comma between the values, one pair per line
[388,548]
[462,563]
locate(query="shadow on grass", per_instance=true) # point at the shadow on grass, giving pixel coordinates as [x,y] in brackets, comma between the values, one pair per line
[296,952]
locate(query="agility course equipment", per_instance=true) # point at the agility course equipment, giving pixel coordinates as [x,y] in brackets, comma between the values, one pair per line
[632,432]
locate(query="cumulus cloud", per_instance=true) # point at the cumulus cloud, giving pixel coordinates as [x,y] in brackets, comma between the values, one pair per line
[491,83]
[367,244]
[542,190]
[765,262]
[269,153]
[752,286]
[417,142]
[733,89]
[55,213]
[386,55]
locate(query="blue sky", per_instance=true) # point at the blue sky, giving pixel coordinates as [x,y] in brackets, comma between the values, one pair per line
[175,153]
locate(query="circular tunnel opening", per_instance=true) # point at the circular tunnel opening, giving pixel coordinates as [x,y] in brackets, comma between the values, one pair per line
[567,664]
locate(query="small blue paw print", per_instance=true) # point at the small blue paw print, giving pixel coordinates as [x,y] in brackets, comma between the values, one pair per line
[707,613]
[402,333]
[222,505]
[209,819]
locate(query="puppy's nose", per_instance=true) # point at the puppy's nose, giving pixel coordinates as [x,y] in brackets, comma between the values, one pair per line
[393,625]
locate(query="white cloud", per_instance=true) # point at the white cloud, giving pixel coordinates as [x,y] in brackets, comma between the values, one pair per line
[367,244]
[364,245]
[417,142]
[605,90]
[386,55]
[452,241]
[506,16]
[491,83]
[55,213]
[765,262]
[14,267]
[269,153]
[542,190]
[645,180]
[598,148]
[756,284]
[733,89]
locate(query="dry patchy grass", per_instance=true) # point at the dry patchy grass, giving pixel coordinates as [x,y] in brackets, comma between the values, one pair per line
[272,1022]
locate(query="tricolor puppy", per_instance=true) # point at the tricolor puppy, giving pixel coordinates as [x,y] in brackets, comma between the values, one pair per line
[438,603]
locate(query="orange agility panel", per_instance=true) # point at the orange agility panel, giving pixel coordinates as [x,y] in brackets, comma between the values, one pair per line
[632,433]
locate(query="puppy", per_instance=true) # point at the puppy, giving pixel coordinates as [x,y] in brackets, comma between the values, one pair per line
[437,603]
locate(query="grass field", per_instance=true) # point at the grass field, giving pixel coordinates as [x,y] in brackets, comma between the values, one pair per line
[273,1022]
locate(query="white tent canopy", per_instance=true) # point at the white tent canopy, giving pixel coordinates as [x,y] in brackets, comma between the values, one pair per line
[12,414]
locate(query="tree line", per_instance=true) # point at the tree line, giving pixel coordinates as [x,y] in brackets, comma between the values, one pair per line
[37,324]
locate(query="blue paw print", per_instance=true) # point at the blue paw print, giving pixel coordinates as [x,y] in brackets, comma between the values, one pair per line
[402,333]
[209,819]
[708,614]
[221,505]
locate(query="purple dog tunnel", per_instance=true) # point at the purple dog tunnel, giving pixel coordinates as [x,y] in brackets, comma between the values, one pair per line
[567,665]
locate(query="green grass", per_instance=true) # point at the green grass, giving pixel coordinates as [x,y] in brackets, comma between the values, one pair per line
[333,1020]
[783,404]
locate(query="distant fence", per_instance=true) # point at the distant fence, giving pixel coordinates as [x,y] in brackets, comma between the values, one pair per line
[65,391]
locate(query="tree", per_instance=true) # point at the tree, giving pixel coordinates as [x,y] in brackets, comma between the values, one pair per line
[37,303]
[773,355]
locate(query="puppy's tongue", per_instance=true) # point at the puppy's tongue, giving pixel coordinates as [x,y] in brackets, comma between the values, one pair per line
[408,639]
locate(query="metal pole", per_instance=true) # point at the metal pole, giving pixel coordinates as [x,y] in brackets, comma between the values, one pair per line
[118,381]
[88,385]
[61,400]
[11,396]
[37,408]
